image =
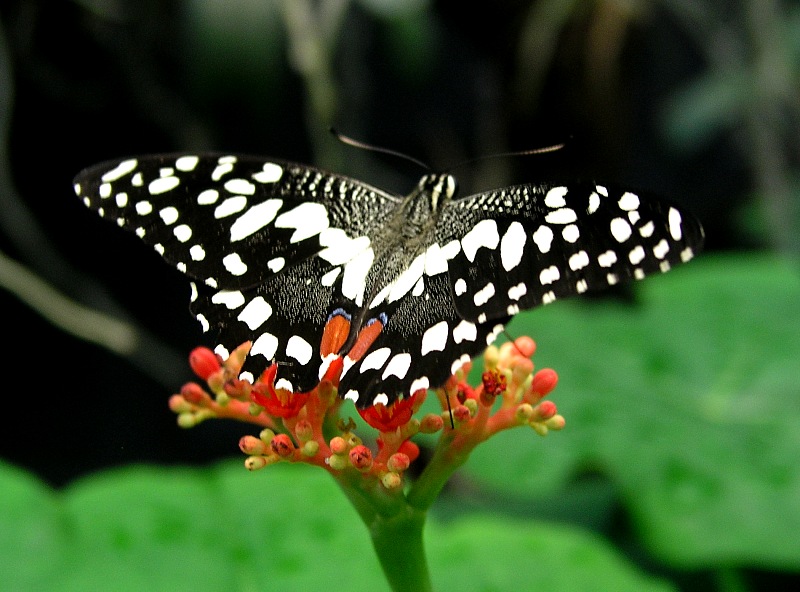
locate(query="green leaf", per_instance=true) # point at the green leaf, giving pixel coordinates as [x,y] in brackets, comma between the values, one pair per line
[286,527]
[688,401]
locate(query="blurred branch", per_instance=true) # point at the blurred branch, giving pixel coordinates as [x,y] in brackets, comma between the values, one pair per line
[313,30]
[750,86]
[82,322]
[150,355]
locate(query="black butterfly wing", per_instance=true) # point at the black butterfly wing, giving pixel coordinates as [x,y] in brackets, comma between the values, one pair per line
[266,240]
[528,245]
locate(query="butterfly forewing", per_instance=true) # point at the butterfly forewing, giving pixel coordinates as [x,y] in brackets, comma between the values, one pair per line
[528,245]
[286,256]
[230,221]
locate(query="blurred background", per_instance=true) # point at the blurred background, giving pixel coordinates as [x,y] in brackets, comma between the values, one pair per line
[698,101]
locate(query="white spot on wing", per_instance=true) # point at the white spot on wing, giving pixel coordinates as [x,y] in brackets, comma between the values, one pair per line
[162,185]
[406,280]
[119,171]
[555,197]
[543,237]
[299,349]
[230,298]
[636,255]
[254,219]
[355,275]
[270,173]
[376,359]
[579,260]
[561,216]
[197,253]
[434,338]
[518,291]
[435,260]
[460,287]
[234,264]
[329,278]
[629,201]
[240,186]
[675,229]
[607,259]
[661,249]
[513,245]
[483,234]
[255,313]
[465,331]
[182,232]
[549,275]
[620,230]
[421,383]
[397,366]
[308,219]
[231,205]
[208,197]
[186,163]
[276,264]
[483,295]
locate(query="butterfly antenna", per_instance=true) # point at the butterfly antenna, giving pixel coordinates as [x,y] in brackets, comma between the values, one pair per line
[364,146]
[542,150]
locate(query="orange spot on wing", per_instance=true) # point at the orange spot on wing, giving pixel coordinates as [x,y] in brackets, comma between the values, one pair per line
[366,337]
[334,335]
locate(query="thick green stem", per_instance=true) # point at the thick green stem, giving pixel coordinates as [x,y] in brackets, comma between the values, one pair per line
[396,530]
[400,549]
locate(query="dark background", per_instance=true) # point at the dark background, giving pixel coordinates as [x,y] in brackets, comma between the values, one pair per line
[89,81]
[695,101]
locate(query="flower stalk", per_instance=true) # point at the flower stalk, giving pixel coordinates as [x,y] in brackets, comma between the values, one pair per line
[311,428]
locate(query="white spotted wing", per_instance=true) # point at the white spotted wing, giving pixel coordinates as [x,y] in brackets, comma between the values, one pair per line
[280,251]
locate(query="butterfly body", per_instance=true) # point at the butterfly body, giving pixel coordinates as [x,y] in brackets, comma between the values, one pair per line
[312,266]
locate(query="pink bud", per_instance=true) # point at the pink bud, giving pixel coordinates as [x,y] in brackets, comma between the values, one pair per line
[361,457]
[204,362]
[544,381]
[398,462]
[282,445]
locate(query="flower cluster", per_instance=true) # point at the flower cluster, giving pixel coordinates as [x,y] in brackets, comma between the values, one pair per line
[307,427]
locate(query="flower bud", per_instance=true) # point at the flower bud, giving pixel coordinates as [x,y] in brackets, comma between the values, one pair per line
[177,404]
[361,457]
[310,448]
[194,394]
[252,445]
[338,461]
[398,462]
[392,480]
[282,445]
[204,362]
[338,445]
[253,463]
[544,381]
[431,423]
[304,430]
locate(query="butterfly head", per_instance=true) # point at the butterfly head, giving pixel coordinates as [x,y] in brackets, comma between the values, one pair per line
[440,187]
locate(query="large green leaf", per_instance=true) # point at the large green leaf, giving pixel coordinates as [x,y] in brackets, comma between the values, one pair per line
[689,401]
[284,528]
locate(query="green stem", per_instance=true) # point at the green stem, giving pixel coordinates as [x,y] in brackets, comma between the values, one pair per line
[396,530]
[401,551]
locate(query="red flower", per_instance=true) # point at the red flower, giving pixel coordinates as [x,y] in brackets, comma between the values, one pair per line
[388,419]
[277,402]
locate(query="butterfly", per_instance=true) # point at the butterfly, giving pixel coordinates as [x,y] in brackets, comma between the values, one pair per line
[315,267]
